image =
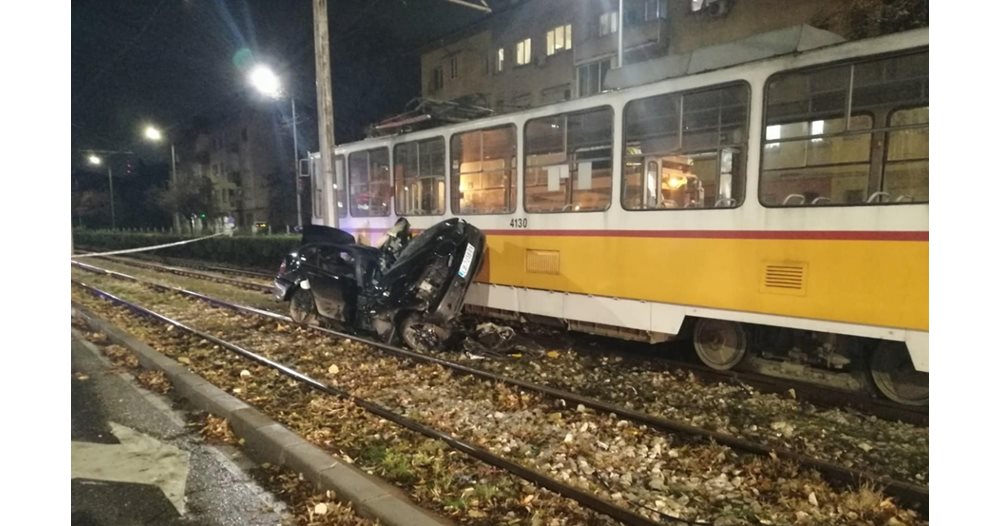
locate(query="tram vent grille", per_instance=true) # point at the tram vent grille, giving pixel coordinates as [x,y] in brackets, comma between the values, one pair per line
[541,261]
[784,278]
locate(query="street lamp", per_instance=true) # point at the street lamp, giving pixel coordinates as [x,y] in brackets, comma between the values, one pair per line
[153,134]
[96,161]
[268,84]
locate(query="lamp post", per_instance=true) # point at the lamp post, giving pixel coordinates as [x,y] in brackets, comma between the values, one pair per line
[153,134]
[96,161]
[268,84]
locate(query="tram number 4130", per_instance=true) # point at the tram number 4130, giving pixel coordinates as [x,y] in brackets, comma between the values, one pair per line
[521,222]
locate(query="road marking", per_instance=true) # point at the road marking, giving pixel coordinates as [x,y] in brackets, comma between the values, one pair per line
[139,458]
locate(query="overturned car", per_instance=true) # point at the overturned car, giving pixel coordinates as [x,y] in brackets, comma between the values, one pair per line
[409,289]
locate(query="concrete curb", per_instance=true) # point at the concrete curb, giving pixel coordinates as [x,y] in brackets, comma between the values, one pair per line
[268,441]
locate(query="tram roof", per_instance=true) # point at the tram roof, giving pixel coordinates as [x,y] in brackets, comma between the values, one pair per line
[795,39]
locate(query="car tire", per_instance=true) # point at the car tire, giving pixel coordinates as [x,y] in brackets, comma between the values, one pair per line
[302,307]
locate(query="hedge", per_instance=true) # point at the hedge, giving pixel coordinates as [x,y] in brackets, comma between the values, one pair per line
[264,252]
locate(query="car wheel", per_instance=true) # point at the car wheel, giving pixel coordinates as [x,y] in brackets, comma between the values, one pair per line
[420,335]
[302,307]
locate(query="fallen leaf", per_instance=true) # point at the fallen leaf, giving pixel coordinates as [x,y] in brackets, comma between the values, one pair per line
[334,369]
[245,374]
[812,499]
[552,354]
[184,360]
[320,509]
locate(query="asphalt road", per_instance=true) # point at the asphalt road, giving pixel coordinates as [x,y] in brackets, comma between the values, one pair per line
[136,461]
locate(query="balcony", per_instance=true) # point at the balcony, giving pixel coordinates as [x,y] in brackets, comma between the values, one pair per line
[641,34]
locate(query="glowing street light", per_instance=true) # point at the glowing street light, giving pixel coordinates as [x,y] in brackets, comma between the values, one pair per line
[266,82]
[153,134]
[96,160]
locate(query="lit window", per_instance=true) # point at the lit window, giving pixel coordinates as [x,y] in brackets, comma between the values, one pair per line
[816,128]
[608,23]
[686,150]
[499,60]
[419,169]
[484,171]
[559,39]
[370,183]
[568,163]
[524,52]
[832,143]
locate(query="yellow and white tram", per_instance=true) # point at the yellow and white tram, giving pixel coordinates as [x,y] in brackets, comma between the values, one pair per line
[785,192]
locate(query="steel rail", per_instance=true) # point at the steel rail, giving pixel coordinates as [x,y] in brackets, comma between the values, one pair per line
[193,274]
[907,492]
[167,260]
[586,499]
[821,395]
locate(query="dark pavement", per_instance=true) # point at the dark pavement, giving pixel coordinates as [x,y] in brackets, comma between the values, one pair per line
[136,461]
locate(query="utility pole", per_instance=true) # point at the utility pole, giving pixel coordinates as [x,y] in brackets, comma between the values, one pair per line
[324,104]
[111,193]
[173,185]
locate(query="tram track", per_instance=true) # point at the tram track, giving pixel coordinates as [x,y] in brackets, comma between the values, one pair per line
[182,262]
[179,271]
[910,493]
[823,396]
[584,498]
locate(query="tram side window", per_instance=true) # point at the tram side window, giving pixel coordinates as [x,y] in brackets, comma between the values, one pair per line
[908,155]
[370,187]
[338,171]
[484,171]
[419,175]
[814,155]
[686,150]
[568,162]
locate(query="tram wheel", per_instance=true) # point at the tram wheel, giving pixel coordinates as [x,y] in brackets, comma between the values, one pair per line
[302,307]
[896,378]
[720,344]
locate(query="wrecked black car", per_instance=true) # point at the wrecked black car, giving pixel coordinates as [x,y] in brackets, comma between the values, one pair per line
[408,290]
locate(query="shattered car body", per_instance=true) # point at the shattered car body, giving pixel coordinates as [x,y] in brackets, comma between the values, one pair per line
[407,289]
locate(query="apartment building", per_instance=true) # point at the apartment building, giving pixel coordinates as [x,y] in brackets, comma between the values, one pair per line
[544,51]
[243,157]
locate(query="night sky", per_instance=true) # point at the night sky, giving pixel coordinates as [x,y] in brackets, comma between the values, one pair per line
[166,61]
